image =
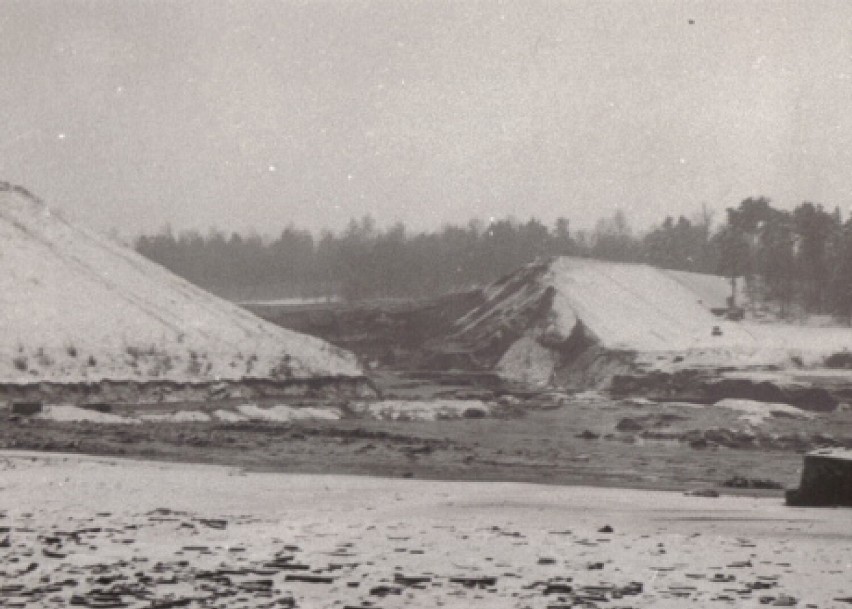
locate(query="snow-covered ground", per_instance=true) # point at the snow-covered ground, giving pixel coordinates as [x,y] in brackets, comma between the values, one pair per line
[172,528]
[76,306]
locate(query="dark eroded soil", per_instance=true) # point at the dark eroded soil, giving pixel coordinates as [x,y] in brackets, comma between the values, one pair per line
[601,443]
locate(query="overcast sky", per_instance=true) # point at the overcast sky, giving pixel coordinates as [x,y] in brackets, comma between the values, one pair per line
[129,115]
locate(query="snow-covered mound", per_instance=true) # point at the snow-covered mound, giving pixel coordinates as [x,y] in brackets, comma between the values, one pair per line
[77,307]
[618,306]
[564,312]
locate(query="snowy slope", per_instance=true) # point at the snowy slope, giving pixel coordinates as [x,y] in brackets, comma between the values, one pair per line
[622,306]
[637,307]
[75,306]
[547,313]
[712,291]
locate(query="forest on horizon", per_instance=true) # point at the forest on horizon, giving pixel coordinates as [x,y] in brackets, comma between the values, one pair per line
[798,259]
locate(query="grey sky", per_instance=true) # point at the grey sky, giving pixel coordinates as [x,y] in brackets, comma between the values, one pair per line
[257,114]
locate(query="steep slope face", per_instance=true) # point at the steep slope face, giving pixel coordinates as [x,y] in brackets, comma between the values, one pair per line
[638,307]
[572,321]
[77,307]
[617,306]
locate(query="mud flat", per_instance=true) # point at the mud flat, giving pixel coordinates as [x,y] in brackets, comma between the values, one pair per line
[101,532]
[587,440]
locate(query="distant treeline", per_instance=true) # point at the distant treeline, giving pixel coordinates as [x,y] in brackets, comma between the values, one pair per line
[801,258]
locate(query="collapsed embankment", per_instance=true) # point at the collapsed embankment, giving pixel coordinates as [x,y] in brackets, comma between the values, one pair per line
[578,324]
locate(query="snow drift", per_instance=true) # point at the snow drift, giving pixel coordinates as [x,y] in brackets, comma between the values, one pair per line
[577,322]
[76,307]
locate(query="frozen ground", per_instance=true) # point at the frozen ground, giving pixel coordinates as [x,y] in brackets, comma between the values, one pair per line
[92,529]
[77,306]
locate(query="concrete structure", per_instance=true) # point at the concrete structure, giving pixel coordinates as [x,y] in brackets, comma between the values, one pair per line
[826,479]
